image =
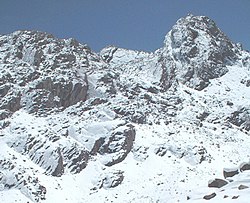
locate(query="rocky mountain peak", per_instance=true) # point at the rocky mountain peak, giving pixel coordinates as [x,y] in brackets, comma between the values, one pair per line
[196,35]
[200,48]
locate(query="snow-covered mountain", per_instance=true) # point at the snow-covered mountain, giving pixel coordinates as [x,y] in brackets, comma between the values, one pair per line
[124,125]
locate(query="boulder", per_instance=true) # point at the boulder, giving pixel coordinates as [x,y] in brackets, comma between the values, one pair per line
[244,167]
[208,197]
[70,156]
[230,172]
[161,151]
[112,180]
[97,145]
[242,187]
[217,183]
[77,160]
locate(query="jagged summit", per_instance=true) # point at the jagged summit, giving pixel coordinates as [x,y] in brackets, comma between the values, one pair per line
[200,49]
[200,32]
[202,23]
[87,125]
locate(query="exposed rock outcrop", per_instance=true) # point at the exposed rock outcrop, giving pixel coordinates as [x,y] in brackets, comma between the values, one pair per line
[59,170]
[112,180]
[241,118]
[202,49]
[49,74]
[118,145]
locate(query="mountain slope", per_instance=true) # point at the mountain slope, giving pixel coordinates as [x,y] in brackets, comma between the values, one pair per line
[123,125]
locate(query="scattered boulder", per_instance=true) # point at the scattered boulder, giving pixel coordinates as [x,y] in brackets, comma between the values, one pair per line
[244,167]
[131,114]
[19,178]
[230,172]
[217,183]
[140,153]
[235,197]
[208,197]
[246,82]
[112,180]
[161,151]
[202,116]
[138,117]
[202,154]
[242,187]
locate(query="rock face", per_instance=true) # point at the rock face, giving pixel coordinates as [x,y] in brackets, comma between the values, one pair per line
[118,145]
[201,48]
[59,170]
[48,155]
[241,118]
[13,176]
[49,74]
[67,92]
[121,119]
